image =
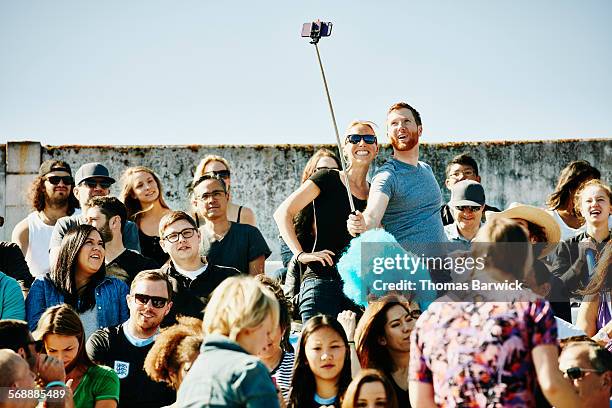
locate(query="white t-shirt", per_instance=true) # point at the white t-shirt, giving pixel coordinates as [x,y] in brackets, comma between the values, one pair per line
[566,231]
[191,274]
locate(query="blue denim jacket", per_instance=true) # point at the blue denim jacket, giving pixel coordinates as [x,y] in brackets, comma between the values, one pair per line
[225,375]
[110,301]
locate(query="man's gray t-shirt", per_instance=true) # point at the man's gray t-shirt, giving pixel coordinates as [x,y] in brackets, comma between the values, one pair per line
[130,231]
[413,212]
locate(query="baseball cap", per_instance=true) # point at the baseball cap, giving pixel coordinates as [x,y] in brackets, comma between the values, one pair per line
[91,170]
[53,165]
[467,192]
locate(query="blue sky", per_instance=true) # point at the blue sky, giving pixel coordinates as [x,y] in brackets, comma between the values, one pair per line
[203,72]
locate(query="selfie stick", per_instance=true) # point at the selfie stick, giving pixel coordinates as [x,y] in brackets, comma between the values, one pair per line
[315,36]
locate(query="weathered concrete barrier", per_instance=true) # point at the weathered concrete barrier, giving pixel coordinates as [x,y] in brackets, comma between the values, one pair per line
[263,175]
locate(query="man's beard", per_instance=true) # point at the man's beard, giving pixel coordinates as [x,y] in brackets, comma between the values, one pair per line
[106,234]
[408,143]
[57,201]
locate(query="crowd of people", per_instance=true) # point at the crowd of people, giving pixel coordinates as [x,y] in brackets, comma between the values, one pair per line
[122,301]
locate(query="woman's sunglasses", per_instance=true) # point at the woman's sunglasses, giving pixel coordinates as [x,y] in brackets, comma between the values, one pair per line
[355,139]
[224,174]
[55,180]
[576,373]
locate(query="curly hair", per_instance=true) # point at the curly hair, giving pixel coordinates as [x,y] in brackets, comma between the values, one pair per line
[173,347]
[37,196]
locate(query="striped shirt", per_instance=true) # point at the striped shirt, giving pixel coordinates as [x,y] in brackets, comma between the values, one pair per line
[283,373]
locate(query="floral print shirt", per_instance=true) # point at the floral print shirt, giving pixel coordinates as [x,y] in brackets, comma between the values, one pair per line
[478,354]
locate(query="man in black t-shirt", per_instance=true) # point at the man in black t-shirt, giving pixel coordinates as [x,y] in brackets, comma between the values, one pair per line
[191,277]
[125,347]
[109,216]
[227,243]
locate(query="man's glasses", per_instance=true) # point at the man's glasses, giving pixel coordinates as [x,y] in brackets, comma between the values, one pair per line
[355,139]
[156,301]
[472,208]
[465,173]
[93,184]
[576,373]
[175,236]
[55,180]
[224,174]
[217,194]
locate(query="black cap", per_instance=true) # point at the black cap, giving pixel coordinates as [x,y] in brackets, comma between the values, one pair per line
[467,192]
[53,165]
[92,170]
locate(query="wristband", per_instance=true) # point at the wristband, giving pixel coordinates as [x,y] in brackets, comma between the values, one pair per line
[56,384]
[297,258]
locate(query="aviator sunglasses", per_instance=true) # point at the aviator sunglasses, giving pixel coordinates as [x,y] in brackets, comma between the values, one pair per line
[55,180]
[224,174]
[156,301]
[355,139]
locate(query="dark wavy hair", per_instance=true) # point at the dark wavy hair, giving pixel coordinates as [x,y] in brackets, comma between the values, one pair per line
[303,382]
[63,320]
[366,376]
[371,327]
[37,196]
[63,274]
[571,177]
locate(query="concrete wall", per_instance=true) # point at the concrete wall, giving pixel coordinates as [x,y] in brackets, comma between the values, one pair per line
[262,176]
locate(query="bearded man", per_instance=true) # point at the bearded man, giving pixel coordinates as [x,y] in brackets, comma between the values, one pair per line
[404,197]
[51,198]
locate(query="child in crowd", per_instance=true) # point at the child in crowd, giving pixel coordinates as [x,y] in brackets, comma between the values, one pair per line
[239,322]
[370,389]
[61,333]
[79,279]
[278,355]
[322,369]
[174,351]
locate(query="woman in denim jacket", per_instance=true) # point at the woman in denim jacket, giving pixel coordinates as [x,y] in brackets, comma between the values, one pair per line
[79,280]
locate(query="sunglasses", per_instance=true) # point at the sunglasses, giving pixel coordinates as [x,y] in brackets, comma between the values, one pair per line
[576,373]
[224,174]
[55,180]
[175,236]
[326,168]
[472,208]
[156,301]
[93,183]
[355,139]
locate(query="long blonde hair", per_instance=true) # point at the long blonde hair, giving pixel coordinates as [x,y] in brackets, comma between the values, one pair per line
[133,206]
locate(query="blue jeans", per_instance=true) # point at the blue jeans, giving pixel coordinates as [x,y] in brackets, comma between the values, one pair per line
[323,296]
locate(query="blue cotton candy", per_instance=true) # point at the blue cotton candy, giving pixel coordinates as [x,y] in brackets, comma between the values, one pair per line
[359,282]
